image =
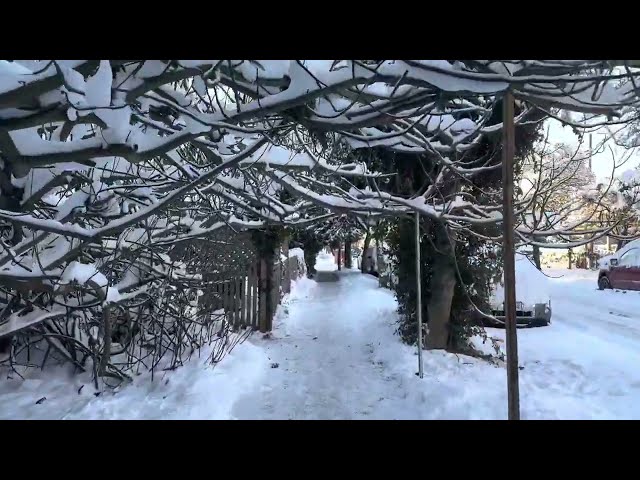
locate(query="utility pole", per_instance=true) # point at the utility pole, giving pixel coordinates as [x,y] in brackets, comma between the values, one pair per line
[419,295]
[590,151]
[589,245]
[508,150]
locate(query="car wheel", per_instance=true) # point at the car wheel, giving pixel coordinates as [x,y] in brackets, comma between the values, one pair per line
[603,283]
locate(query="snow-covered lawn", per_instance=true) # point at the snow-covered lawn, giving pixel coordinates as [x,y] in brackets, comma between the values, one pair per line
[195,391]
[334,355]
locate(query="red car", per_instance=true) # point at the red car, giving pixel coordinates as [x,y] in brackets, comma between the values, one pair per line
[623,272]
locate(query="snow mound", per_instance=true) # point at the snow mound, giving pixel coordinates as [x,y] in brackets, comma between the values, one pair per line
[197,390]
[532,286]
[296,252]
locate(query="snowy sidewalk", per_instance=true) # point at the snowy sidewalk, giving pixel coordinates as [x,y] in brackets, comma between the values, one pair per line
[323,350]
[334,355]
[337,357]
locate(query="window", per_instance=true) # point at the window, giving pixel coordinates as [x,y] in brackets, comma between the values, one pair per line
[629,259]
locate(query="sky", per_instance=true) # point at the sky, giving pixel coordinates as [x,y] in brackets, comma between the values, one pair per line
[602,162]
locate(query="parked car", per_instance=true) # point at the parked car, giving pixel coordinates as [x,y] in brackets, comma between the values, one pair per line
[533,299]
[605,262]
[622,270]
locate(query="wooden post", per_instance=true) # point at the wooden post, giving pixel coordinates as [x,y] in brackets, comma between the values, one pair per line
[287,270]
[256,295]
[239,298]
[278,282]
[273,287]
[232,303]
[225,300]
[262,282]
[419,296]
[251,294]
[508,150]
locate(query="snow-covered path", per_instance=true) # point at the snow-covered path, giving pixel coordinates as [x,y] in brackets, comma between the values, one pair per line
[324,356]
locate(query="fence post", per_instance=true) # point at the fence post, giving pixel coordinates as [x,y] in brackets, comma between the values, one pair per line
[225,301]
[274,287]
[287,271]
[239,298]
[262,291]
[254,295]
[243,300]
[232,303]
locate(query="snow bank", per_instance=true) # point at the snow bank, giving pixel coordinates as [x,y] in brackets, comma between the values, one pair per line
[296,252]
[531,284]
[83,273]
[195,391]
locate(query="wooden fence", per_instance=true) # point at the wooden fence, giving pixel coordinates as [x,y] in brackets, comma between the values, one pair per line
[249,297]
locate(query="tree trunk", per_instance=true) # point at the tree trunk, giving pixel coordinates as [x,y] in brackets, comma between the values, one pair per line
[266,295]
[106,351]
[621,242]
[570,258]
[443,282]
[347,255]
[339,257]
[364,266]
[536,257]
[310,261]
[589,252]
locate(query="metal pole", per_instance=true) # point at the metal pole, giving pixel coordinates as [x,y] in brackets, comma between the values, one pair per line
[590,151]
[508,150]
[589,246]
[419,296]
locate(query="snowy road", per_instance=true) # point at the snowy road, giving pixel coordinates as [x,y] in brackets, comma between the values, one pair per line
[585,365]
[334,355]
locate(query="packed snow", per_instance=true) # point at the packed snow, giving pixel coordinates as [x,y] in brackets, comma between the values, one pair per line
[333,355]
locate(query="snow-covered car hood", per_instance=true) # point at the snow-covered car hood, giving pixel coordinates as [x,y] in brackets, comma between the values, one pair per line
[532,286]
